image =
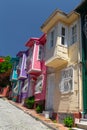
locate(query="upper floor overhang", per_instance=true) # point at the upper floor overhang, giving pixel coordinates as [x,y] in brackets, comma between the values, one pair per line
[56,16]
[60,58]
[56,62]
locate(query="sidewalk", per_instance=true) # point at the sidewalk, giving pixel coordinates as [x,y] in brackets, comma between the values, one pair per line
[47,122]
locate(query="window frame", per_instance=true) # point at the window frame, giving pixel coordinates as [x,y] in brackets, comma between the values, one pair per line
[74,33]
[65,79]
[63,35]
[40,50]
[49,38]
[39,80]
[52,34]
[25,88]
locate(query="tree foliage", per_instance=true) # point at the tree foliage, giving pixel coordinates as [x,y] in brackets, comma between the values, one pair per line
[6,65]
[5,70]
[4,78]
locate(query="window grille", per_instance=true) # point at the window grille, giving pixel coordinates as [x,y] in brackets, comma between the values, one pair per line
[66,84]
[38,87]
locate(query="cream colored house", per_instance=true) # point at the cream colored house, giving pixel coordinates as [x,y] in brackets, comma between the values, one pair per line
[63,56]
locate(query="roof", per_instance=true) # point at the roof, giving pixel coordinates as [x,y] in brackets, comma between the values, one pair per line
[42,39]
[20,53]
[80,5]
[56,16]
[31,41]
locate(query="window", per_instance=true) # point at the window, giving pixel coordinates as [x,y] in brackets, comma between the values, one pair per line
[66,84]
[51,39]
[74,33]
[19,64]
[25,59]
[15,89]
[25,88]
[38,87]
[29,58]
[30,55]
[40,53]
[63,36]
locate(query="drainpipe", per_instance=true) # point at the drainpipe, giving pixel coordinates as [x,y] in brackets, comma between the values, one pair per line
[79,64]
[80,67]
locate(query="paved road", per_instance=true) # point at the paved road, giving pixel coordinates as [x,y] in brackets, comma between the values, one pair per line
[12,118]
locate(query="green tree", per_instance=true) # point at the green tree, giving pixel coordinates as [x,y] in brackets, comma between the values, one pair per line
[6,65]
[5,70]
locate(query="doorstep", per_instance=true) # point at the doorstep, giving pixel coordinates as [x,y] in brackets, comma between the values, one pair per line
[40,117]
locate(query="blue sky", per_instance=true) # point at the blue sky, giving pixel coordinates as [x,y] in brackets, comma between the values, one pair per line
[22,19]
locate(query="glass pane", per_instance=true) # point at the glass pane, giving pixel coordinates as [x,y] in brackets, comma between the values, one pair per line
[38,87]
[40,53]
[68,85]
[52,39]
[63,41]
[63,31]
[74,34]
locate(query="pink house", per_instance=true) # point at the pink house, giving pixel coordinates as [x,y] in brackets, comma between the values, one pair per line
[36,68]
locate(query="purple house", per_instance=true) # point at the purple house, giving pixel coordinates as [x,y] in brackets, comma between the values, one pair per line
[23,78]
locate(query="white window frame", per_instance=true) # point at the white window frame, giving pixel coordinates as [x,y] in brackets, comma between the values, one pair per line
[30,55]
[20,63]
[40,55]
[37,86]
[63,36]
[50,40]
[52,34]
[75,34]
[66,79]
[25,88]
[15,89]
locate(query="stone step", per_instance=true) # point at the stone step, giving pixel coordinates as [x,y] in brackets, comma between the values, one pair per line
[82,125]
[77,129]
[83,120]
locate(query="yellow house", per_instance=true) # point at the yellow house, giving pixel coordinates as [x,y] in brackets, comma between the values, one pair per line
[63,58]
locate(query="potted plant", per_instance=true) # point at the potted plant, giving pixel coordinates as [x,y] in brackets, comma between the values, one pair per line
[39,108]
[29,102]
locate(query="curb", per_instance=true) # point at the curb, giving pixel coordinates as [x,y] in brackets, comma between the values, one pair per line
[38,119]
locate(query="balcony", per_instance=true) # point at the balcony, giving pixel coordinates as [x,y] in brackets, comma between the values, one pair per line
[33,67]
[59,57]
[14,75]
[21,71]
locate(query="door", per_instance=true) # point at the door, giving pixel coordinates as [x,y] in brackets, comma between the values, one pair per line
[50,91]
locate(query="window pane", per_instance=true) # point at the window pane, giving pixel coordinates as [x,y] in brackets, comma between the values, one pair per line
[38,87]
[63,31]
[74,34]
[40,53]
[66,86]
[52,39]
[63,40]
[67,80]
[63,36]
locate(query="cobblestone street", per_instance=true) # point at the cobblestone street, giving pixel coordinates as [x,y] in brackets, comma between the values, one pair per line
[12,118]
